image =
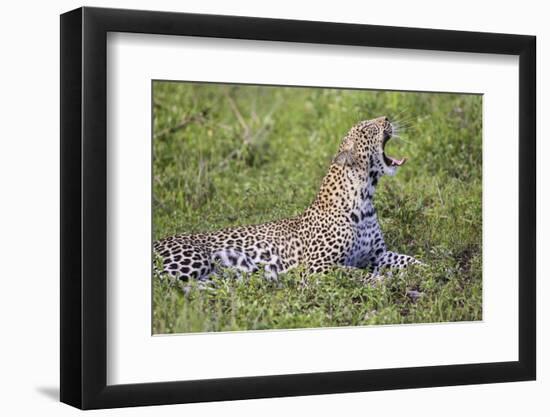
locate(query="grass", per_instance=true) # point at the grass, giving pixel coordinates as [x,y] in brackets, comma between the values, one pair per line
[228,155]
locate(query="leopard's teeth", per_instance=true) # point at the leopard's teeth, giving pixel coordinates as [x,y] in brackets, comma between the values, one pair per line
[397,162]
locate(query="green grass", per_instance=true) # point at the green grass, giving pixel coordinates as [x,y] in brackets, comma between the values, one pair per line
[234,155]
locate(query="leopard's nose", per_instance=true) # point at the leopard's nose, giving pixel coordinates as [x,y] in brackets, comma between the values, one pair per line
[382,120]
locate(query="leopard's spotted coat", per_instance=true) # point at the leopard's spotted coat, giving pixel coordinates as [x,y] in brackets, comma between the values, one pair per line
[339,228]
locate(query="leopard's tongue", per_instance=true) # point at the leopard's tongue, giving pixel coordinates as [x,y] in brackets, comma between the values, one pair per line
[396,162]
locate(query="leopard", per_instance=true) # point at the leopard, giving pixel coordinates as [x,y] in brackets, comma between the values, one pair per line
[339,229]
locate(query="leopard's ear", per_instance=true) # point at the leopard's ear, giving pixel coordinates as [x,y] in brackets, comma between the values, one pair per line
[344,158]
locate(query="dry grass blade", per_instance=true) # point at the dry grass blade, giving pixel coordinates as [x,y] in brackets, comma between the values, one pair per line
[185,121]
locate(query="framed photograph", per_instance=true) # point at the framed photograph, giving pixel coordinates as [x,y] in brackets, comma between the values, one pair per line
[257,208]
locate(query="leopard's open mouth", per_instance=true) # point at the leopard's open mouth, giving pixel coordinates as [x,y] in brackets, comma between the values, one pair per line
[389,160]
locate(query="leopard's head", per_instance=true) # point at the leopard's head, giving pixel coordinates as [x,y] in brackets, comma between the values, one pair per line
[363,147]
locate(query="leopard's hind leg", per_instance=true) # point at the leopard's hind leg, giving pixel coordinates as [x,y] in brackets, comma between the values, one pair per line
[250,261]
[234,260]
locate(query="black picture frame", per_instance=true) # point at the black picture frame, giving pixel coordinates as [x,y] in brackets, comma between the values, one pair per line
[84,207]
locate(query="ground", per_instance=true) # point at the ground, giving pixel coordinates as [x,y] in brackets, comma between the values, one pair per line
[234,155]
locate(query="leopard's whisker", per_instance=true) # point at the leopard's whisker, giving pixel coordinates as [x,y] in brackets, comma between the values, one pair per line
[401,123]
[404,128]
[398,128]
[401,139]
[404,119]
[401,113]
[401,126]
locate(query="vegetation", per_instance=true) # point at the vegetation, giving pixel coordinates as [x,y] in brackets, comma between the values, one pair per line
[228,155]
